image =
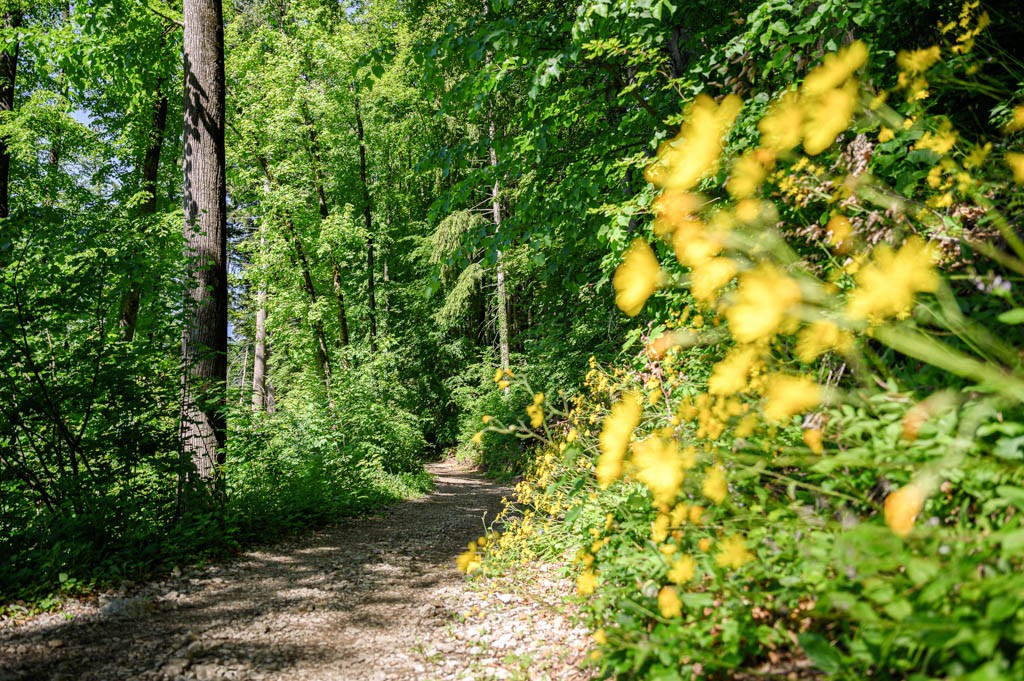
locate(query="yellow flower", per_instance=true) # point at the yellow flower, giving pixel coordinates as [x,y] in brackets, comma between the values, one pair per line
[781,127]
[820,337]
[586,583]
[615,434]
[887,284]
[683,569]
[704,544]
[485,419]
[1017,122]
[636,278]
[747,175]
[939,141]
[787,395]
[669,603]
[660,465]
[886,134]
[812,438]
[708,277]
[503,385]
[827,115]
[682,161]
[715,486]
[659,528]
[599,637]
[730,375]
[478,437]
[536,415]
[902,508]
[733,553]
[918,61]
[498,373]
[839,229]
[469,561]
[695,514]
[762,300]
[571,435]
[835,69]
[1016,163]
[674,209]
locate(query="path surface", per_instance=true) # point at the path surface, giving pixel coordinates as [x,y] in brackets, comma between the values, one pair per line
[372,599]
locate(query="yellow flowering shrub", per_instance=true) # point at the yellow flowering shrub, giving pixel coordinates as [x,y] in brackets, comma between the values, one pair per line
[769,468]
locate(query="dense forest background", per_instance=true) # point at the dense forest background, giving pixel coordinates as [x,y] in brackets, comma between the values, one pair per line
[421,194]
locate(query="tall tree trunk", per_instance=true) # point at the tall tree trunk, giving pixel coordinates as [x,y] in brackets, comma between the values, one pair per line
[150,174]
[205,335]
[8,79]
[259,362]
[368,219]
[500,274]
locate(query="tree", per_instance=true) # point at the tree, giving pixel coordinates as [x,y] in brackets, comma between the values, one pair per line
[204,340]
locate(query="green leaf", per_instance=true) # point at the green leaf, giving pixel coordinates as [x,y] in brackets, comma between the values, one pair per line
[1014,316]
[821,652]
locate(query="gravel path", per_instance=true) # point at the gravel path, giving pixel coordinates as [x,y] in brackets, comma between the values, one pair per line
[373,598]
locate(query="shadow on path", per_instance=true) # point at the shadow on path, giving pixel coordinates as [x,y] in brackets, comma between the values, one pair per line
[348,602]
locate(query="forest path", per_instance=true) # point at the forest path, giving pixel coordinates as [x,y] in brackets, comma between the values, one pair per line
[374,598]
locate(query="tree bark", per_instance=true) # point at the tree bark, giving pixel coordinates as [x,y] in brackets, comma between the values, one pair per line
[259,362]
[500,274]
[8,79]
[205,334]
[368,220]
[150,174]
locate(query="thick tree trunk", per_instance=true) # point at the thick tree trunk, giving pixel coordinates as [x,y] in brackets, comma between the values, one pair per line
[8,79]
[368,220]
[150,174]
[205,335]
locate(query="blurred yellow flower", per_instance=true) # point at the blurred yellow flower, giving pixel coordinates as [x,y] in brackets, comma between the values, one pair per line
[886,285]
[536,414]
[733,553]
[820,337]
[469,561]
[835,69]
[762,300]
[669,603]
[704,544]
[747,175]
[1016,163]
[731,374]
[715,486]
[674,209]
[660,465]
[918,61]
[1017,122]
[478,437]
[826,115]
[709,276]
[886,134]
[902,508]
[787,395]
[586,583]
[683,160]
[812,438]
[782,126]
[659,528]
[940,141]
[636,278]
[683,569]
[615,434]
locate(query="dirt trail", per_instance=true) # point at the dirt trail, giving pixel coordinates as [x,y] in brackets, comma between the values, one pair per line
[373,598]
